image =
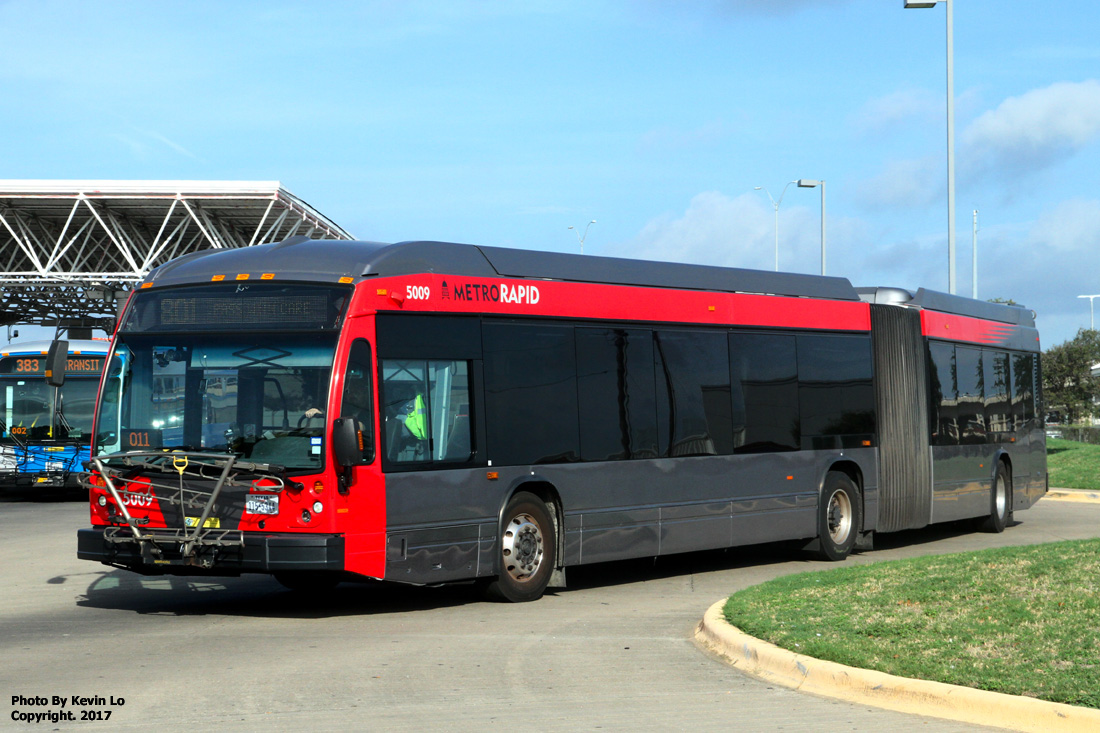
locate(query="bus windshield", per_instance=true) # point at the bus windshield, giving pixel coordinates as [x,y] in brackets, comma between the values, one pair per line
[32,410]
[261,397]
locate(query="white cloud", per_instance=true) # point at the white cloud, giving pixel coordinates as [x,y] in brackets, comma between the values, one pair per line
[1022,135]
[1034,130]
[899,108]
[1073,226]
[912,183]
[1046,266]
[731,232]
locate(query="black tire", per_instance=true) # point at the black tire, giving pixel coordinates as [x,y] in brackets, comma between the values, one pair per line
[308,581]
[527,551]
[1000,502]
[839,517]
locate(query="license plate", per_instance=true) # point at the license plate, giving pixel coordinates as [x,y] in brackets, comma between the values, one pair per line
[211,523]
[55,466]
[262,504]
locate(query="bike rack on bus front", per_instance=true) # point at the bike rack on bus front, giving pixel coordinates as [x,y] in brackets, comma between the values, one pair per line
[192,542]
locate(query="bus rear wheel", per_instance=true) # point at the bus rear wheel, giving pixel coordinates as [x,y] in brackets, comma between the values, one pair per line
[839,517]
[999,502]
[527,551]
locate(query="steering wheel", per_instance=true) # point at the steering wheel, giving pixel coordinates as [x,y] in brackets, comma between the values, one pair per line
[307,419]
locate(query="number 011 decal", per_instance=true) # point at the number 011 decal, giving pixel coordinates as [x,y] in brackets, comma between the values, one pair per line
[140,439]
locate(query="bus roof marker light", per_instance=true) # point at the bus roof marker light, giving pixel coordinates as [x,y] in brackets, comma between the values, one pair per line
[217,278]
[346,280]
[267,276]
[243,276]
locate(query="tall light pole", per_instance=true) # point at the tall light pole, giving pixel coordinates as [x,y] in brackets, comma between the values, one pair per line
[974,267]
[775,204]
[809,183]
[579,237]
[1092,321]
[950,137]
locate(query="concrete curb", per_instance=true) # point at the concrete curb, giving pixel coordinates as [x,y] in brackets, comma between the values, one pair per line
[1073,495]
[919,697]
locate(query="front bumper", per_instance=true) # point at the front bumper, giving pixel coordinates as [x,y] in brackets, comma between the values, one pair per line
[44,479]
[259,553]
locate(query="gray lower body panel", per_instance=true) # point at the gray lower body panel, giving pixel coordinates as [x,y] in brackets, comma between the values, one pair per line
[443,524]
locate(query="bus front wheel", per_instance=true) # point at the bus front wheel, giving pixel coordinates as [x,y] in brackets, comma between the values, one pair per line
[838,516]
[527,551]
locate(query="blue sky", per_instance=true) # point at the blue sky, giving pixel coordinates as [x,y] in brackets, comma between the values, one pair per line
[504,123]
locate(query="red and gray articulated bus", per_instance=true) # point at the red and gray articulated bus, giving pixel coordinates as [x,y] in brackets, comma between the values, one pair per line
[426,412]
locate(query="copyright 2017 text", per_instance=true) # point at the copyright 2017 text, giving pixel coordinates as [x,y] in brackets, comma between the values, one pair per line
[62,708]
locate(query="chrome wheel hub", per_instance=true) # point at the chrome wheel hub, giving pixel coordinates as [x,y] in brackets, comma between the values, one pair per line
[522,547]
[840,517]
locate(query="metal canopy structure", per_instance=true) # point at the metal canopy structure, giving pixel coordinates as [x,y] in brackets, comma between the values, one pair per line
[70,249]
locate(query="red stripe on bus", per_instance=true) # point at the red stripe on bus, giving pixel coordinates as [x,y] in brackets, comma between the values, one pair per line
[965,329]
[456,294]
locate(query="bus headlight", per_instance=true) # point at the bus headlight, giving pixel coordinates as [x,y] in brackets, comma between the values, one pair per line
[317,507]
[102,500]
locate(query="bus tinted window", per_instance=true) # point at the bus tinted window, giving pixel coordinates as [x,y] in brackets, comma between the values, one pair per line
[356,402]
[426,411]
[615,386]
[531,393]
[1023,389]
[970,379]
[945,399]
[998,414]
[835,393]
[765,392]
[694,381]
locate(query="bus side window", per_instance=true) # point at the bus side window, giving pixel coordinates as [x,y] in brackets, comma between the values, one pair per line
[357,401]
[426,411]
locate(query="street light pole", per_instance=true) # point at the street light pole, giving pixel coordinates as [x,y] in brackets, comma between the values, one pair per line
[1092,321]
[775,204]
[579,237]
[950,136]
[810,183]
[975,262]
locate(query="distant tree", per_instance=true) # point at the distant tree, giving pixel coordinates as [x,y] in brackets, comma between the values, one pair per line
[1003,301]
[1068,384]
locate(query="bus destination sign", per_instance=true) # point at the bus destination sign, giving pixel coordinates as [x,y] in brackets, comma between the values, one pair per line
[35,365]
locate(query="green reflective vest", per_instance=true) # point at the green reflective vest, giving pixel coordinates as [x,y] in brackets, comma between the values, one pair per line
[416,421]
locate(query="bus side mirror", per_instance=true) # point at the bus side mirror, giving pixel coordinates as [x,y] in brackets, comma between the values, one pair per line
[56,361]
[347,442]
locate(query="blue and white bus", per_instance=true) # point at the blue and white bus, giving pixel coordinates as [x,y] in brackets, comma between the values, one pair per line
[45,431]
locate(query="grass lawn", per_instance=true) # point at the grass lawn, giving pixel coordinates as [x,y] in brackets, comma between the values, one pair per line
[1020,620]
[1073,465]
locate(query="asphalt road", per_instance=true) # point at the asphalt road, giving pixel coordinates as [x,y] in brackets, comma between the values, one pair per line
[614,651]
